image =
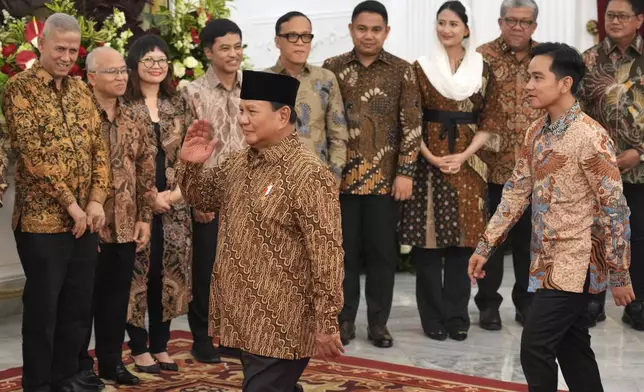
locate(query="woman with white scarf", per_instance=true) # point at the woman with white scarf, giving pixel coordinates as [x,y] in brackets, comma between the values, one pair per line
[447,214]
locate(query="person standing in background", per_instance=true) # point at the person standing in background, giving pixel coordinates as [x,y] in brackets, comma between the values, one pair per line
[508,116]
[320,115]
[62,178]
[382,106]
[213,97]
[613,95]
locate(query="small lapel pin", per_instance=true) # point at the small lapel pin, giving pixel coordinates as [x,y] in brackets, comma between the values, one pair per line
[268,190]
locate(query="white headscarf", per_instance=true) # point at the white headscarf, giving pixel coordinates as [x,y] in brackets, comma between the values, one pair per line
[468,78]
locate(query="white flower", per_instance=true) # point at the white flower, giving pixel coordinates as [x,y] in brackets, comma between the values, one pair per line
[179,69]
[183,83]
[125,35]
[202,19]
[191,62]
[119,18]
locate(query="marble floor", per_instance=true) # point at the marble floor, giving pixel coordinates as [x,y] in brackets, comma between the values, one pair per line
[619,350]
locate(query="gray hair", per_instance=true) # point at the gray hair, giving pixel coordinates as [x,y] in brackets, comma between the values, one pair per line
[520,4]
[60,22]
[92,57]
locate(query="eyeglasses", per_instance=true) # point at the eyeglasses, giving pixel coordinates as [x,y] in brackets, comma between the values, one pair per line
[524,23]
[150,63]
[293,37]
[112,72]
[611,16]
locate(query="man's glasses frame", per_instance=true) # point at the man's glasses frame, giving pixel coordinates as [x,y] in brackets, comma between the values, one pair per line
[524,23]
[112,72]
[623,18]
[294,37]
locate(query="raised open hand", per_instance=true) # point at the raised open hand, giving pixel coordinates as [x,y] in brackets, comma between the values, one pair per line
[198,144]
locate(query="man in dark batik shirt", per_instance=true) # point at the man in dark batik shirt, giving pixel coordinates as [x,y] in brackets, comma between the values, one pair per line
[613,94]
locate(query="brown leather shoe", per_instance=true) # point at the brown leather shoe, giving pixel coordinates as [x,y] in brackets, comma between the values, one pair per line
[347,332]
[380,336]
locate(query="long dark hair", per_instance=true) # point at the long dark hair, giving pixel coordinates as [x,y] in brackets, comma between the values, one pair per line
[137,50]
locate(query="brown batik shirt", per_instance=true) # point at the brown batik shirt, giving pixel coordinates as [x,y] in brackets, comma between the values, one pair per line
[62,157]
[132,191]
[612,93]
[509,114]
[382,107]
[5,146]
[279,271]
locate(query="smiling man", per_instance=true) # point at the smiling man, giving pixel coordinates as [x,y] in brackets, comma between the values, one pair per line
[320,115]
[612,93]
[62,178]
[382,106]
[213,97]
[566,168]
[277,283]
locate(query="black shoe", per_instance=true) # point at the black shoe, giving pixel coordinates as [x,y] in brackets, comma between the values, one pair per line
[347,332]
[380,336]
[87,379]
[68,387]
[205,353]
[459,336]
[490,319]
[151,369]
[634,315]
[119,375]
[169,366]
[596,313]
[229,352]
[438,334]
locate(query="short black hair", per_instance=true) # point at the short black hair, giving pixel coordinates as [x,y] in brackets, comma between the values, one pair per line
[566,61]
[277,106]
[637,5]
[372,6]
[217,28]
[458,8]
[286,17]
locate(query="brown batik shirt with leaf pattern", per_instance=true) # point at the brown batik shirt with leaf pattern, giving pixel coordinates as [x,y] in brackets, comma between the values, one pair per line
[279,271]
[382,108]
[61,154]
[508,114]
[132,191]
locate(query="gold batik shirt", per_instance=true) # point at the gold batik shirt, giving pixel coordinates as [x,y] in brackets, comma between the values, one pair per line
[132,191]
[279,271]
[61,154]
[382,107]
[320,115]
[509,113]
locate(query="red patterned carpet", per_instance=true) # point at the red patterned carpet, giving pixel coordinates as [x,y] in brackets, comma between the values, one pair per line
[348,374]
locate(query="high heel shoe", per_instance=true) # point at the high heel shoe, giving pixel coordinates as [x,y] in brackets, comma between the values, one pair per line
[152,369]
[169,366]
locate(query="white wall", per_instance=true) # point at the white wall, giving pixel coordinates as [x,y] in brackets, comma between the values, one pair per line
[410,20]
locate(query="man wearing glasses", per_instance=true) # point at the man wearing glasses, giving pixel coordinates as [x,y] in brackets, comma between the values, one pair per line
[128,214]
[320,113]
[511,115]
[612,93]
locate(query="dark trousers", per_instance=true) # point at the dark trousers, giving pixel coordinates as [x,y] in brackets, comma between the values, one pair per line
[369,225]
[442,303]
[488,296]
[110,301]
[204,248]
[557,328]
[264,374]
[159,330]
[57,300]
[634,194]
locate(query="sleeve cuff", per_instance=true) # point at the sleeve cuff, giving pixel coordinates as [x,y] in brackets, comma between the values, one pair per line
[620,278]
[406,169]
[98,196]
[66,199]
[327,324]
[484,248]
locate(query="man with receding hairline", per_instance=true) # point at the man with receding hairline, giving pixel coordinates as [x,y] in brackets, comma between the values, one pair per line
[62,178]
[128,215]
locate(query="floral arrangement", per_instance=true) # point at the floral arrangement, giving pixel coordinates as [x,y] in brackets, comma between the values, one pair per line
[180,28]
[19,39]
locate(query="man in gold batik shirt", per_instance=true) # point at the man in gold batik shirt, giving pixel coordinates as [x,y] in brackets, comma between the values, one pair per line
[277,282]
[61,184]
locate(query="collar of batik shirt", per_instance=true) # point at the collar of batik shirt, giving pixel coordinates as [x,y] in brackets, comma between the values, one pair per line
[559,126]
[214,82]
[45,77]
[506,48]
[280,69]
[383,56]
[276,153]
[637,45]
